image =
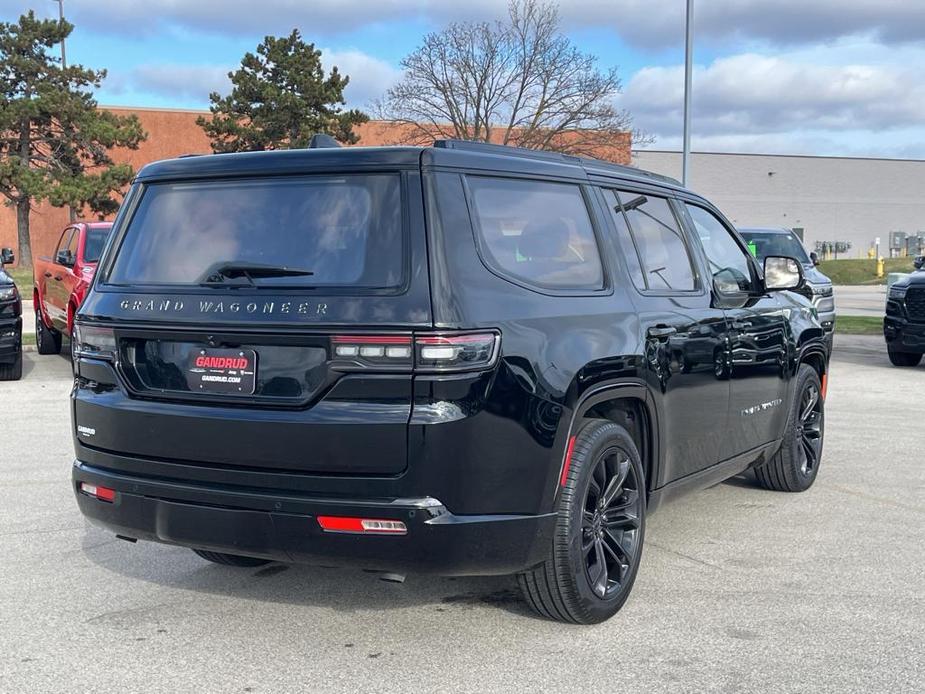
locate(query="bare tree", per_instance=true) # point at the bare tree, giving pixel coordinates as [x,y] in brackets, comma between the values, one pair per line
[519,82]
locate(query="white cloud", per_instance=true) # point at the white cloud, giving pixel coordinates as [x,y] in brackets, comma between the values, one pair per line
[752,101]
[648,23]
[369,76]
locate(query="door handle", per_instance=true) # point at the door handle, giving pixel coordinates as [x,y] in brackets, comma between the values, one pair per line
[47,274]
[739,325]
[58,278]
[661,331]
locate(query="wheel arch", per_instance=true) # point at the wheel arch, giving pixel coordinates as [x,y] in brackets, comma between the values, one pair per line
[815,356]
[629,405]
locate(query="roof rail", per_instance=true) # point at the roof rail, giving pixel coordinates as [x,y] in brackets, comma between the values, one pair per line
[322,141]
[506,150]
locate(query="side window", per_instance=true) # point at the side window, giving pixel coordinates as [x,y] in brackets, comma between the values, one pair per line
[65,239]
[72,244]
[657,239]
[729,264]
[536,232]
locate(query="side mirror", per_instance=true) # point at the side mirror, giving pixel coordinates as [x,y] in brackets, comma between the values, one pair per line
[63,257]
[782,273]
[6,256]
[919,262]
[814,257]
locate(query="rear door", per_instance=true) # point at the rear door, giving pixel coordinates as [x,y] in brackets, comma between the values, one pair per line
[684,335]
[266,323]
[758,339]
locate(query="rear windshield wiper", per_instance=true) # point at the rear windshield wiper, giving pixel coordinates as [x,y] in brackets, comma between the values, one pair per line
[220,273]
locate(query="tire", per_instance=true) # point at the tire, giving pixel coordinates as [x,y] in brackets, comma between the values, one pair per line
[904,358]
[794,467]
[11,372]
[230,559]
[563,587]
[47,340]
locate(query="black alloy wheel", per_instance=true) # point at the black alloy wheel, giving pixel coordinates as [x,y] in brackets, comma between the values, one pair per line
[795,465]
[610,522]
[810,428]
[594,556]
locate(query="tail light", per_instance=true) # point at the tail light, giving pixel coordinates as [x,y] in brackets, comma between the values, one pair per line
[372,351]
[95,342]
[457,352]
[444,352]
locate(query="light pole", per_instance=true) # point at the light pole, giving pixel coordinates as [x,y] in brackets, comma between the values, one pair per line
[61,20]
[71,212]
[688,70]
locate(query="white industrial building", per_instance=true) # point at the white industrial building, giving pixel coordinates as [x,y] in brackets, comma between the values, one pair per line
[830,198]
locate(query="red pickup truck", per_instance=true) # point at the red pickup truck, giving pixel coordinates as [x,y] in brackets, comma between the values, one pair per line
[62,281]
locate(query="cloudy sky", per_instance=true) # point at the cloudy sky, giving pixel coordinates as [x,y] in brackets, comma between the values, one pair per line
[839,77]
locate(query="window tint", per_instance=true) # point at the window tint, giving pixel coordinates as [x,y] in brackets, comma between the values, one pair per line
[659,241]
[728,262]
[93,245]
[537,232]
[346,231]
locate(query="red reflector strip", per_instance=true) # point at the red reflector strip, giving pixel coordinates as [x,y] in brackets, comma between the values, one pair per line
[825,384]
[101,493]
[455,340]
[568,461]
[369,526]
[371,340]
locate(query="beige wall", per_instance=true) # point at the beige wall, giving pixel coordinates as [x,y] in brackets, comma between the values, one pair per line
[832,198]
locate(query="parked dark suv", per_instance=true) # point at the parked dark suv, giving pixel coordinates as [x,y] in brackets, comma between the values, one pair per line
[10,323]
[904,324]
[460,359]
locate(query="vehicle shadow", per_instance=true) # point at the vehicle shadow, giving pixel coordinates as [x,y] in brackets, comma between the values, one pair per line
[341,589]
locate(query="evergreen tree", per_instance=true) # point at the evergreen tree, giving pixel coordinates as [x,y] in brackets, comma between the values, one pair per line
[280,97]
[54,141]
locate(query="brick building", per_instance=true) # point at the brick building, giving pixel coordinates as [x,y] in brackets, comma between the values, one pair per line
[170,134]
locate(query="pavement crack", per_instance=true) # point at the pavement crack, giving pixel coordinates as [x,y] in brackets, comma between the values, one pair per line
[688,557]
[878,499]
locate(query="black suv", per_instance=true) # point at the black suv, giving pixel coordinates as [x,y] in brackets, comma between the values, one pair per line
[904,325]
[10,323]
[460,359]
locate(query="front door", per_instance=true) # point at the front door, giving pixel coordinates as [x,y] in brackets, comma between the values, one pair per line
[684,336]
[55,298]
[757,366]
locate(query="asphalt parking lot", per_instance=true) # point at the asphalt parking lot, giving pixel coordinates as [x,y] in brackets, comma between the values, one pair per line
[740,589]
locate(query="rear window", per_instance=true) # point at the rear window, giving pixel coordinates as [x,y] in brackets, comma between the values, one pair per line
[93,245]
[341,231]
[536,232]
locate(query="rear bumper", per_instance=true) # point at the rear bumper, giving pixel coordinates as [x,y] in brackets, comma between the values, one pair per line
[903,336]
[285,528]
[10,339]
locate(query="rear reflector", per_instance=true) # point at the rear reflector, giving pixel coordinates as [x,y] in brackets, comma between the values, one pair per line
[567,463]
[101,493]
[369,526]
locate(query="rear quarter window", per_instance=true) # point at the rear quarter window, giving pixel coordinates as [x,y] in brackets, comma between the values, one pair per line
[346,231]
[537,233]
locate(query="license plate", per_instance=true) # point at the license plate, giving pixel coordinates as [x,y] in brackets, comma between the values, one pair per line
[232,371]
